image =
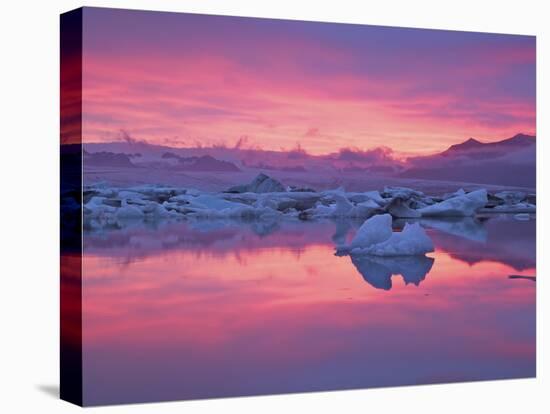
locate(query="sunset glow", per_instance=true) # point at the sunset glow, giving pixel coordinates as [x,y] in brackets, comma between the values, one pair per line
[190,80]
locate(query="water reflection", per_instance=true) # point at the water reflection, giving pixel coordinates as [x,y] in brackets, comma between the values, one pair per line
[502,239]
[468,228]
[505,240]
[378,271]
[220,308]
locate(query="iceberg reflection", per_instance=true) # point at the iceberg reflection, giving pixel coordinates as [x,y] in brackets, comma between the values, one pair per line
[378,271]
[468,228]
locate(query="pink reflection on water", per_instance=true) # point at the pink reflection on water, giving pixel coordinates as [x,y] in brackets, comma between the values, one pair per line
[276,319]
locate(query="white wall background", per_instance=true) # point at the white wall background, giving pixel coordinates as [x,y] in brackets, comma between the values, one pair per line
[29,291]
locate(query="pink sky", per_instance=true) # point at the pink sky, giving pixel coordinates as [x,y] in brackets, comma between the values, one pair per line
[187,80]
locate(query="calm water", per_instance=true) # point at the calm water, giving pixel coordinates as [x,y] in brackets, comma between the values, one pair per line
[215,309]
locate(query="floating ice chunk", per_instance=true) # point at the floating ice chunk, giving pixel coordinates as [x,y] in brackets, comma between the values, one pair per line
[285,202]
[207,205]
[368,204]
[95,201]
[322,210]
[513,208]
[129,212]
[458,206]
[375,196]
[522,216]
[511,197]
[211,202]
[261,184]
[130,195]
[156,210]
[374,230]
[412,241]
[364,209]
[193,192]
[372,196]
[402,192]
[459,192]
[181,198]
[343,205]
[400,209]
[96,207]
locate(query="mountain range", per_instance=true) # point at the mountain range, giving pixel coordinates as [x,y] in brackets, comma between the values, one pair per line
[509,162]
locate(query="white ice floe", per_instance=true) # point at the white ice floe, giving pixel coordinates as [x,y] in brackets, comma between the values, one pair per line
[375,237]
[511,197]
[211,206]
[511,209]
[401,209]
[367,196]
[129,212]
[457,206]
[412,241]
[266,197]
[522,216]
[459,192]
[402,192]
[374,230]
[341,206]
[261,184]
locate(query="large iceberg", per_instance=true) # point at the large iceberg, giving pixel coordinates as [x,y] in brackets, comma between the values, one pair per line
[374,230]
[457,206]
[375,237]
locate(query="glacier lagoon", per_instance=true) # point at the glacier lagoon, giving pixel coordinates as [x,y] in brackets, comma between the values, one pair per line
[223,307]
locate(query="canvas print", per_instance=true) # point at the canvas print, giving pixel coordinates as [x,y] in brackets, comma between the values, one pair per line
[258,206]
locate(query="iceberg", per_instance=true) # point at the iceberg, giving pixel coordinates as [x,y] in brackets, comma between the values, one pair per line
[374,230]
[340,205]
[412,241]
[511,197]
[400,208]
[457,206]
[375,237]
[129,212]
[343,205]
[402,192]
[265,197]
[511,209]
[459,192]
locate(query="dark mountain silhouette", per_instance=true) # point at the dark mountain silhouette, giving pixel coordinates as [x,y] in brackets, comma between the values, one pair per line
[107,159]
[507,162]
[472,144]
[202,163]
